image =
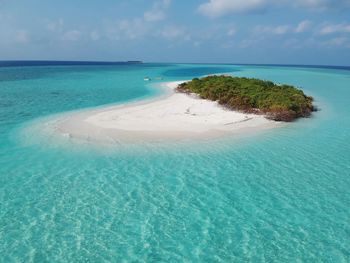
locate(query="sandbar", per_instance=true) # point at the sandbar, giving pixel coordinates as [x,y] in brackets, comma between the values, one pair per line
[176,116]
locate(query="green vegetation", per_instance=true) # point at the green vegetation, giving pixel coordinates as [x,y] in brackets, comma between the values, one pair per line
[276,102]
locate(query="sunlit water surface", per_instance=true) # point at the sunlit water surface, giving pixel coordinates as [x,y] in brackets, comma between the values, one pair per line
[277,196]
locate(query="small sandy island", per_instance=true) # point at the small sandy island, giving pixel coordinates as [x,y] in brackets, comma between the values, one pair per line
[174,116]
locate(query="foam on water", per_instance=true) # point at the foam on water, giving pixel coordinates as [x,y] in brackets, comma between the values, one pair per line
[281,195]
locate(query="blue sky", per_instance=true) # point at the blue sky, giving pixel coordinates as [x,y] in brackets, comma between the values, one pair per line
[225,31]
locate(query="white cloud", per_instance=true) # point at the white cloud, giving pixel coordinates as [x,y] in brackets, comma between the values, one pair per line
[312,3]
[157,13]
[324,4]
[231,32]
[292,39]
[337,42]
[162,4]
[280,30]
[55,26]
[275,30]
[94,35]
[22,36]
[246,43]
[174,32]
[72,35]
[152,16]
[303,26]
[335,28]
[216,8]
[132,28]
[128,29]
[228,45]
[139,27]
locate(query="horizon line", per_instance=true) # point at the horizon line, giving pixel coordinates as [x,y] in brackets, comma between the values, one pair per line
[158,62]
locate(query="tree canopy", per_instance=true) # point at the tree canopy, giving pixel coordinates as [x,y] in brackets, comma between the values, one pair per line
[276,102]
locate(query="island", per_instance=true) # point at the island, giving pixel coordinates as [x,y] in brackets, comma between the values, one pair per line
[249,95]
[205,108]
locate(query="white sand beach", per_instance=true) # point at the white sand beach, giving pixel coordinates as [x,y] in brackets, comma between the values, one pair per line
[174,116]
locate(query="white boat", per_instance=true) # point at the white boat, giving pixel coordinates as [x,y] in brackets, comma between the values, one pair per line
[147,79]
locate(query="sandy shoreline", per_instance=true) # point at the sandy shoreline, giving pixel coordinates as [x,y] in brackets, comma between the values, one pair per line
[173,116]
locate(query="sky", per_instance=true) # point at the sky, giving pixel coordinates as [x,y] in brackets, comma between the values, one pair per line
[314,32]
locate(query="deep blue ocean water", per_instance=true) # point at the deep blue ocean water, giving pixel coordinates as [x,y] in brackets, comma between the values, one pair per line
[277,196]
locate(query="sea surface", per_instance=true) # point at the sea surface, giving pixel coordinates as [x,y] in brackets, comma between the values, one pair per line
[282,195]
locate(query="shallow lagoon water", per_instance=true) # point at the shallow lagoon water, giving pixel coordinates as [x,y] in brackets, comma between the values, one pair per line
[277,196]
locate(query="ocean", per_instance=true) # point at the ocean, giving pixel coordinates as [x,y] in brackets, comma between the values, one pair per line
[281,195]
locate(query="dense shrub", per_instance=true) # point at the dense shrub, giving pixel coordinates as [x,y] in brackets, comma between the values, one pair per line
[277,102]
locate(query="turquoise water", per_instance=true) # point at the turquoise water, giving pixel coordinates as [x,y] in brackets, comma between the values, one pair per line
[278,196]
